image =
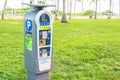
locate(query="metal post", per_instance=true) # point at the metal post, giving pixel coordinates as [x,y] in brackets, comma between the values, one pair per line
[42,76]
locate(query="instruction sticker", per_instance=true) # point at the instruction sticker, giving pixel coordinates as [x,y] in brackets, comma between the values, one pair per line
[44,28]
[28,25]
[44,64]
[29,43]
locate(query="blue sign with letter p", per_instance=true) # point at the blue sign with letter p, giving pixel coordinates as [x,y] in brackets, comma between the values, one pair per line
[28,25]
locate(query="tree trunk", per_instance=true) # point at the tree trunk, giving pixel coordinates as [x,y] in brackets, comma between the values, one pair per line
[23,7]
[68,5]
[109,16]
[70,9]
[31,1]
[57,10]
[82,6]
[112,6]
[2,16]
[74,7]
[95,13]
[119,8]
[99,7]
[64,20]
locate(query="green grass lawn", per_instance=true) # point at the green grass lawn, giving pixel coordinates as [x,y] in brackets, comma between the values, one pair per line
[83,50]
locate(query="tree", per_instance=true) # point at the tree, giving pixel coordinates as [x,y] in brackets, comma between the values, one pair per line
[95,13]
[64,20]
[23,6]
[70,9]
[31,1]
[68,5]
[74,7]
[57,9]
[82,6]
[4,9]
[99,6]
[119,8]
[112,6]
[110,12]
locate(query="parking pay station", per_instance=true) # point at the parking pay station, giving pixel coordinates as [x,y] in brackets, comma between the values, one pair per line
[38,42]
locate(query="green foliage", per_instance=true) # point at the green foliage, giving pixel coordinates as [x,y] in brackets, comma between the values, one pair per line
[53,12]
[82,50]
[27,8]
[19,9]
[41,1]
[60,12]
[106,12]
[79,14]
[89,12]
[9,9]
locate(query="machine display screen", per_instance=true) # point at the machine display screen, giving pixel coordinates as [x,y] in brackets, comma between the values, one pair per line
[44,20]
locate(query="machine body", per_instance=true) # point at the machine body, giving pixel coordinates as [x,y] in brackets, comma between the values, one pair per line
[38,43]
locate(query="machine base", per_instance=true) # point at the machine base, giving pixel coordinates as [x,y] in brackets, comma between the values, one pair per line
[41,76]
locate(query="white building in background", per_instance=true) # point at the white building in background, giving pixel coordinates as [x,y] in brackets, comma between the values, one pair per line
[103,3]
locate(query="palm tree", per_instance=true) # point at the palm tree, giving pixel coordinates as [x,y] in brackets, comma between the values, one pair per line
[112,6]
[31,1]
[99,6]
[82,6]
[23,7]
[70,9]
[4,9]
[119,8]
[64,20]
[74,7]
[95,13]
[57,9]
[109,16]
[68,5]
